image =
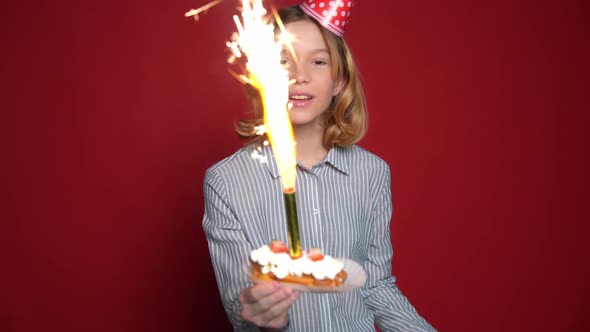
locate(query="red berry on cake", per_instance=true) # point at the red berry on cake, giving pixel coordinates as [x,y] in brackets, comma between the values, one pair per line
[278,246]
[315,254]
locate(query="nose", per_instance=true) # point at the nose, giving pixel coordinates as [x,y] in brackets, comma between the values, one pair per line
[301,74]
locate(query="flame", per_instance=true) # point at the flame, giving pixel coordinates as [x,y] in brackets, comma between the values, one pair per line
[256,39]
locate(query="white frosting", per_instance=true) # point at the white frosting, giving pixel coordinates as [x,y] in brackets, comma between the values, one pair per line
[281,264]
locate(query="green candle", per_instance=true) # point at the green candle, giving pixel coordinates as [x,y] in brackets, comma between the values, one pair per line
[292,226]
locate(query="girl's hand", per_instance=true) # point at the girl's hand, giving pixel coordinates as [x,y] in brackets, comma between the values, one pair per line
[267,304]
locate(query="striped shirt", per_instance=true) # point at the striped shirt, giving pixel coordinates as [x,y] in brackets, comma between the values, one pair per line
[344,208]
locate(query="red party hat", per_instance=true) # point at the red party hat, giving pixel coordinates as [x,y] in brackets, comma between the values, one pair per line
[333,15]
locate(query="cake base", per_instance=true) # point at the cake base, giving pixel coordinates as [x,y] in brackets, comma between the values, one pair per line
[305,280]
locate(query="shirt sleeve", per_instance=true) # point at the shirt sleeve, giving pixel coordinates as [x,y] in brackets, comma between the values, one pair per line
[393,312]
[228,247]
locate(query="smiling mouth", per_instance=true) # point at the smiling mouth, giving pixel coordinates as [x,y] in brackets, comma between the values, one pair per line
[300,97]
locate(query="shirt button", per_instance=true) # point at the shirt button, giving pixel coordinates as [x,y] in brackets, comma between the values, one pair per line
[316,211]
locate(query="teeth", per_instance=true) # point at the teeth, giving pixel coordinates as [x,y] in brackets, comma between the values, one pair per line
[300,97]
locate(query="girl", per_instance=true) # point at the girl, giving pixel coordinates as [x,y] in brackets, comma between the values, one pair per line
[343,198]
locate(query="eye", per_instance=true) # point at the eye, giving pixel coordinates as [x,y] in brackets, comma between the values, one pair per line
[320,62]
[285,62]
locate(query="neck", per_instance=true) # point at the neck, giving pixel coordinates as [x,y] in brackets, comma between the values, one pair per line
[310,149]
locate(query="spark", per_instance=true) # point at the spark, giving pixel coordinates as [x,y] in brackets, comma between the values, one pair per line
[260,130]
[195,12]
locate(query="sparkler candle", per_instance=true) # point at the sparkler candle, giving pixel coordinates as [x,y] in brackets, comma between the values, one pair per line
[256,39]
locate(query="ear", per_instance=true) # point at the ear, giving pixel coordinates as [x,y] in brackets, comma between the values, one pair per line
[338,87]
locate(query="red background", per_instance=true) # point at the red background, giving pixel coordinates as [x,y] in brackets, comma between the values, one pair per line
[112,111]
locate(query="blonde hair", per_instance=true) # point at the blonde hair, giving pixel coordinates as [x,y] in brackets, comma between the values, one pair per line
[346,117]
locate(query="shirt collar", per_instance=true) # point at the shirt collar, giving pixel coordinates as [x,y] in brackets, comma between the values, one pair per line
[337,157]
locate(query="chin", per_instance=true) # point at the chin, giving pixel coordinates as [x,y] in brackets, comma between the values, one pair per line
[301,118]
[300,122]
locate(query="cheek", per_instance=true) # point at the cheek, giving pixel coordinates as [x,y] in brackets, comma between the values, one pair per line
[326,101]
[334,89]
[329,84]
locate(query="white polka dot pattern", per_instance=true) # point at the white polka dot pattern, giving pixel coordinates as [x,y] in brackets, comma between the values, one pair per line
[333,15]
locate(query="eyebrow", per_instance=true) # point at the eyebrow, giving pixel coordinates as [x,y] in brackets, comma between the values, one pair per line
[316,51]
[320,50]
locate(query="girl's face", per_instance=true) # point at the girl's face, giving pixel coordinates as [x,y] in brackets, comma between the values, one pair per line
[311,68]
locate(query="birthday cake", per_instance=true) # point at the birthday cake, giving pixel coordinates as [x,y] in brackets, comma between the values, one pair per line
[313,268]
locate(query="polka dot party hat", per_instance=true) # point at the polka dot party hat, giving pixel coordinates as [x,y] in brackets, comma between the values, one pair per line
[333,15]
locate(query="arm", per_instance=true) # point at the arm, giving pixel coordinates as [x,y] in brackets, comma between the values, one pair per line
[263,304]
[392,310]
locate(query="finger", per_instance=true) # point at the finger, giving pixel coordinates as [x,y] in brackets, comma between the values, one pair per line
[279,322]
[268,302]
[267,306]
[281,306]
[259,291]
[270,312]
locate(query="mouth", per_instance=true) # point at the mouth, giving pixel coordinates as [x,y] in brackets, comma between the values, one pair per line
[300,97]
[300,100]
